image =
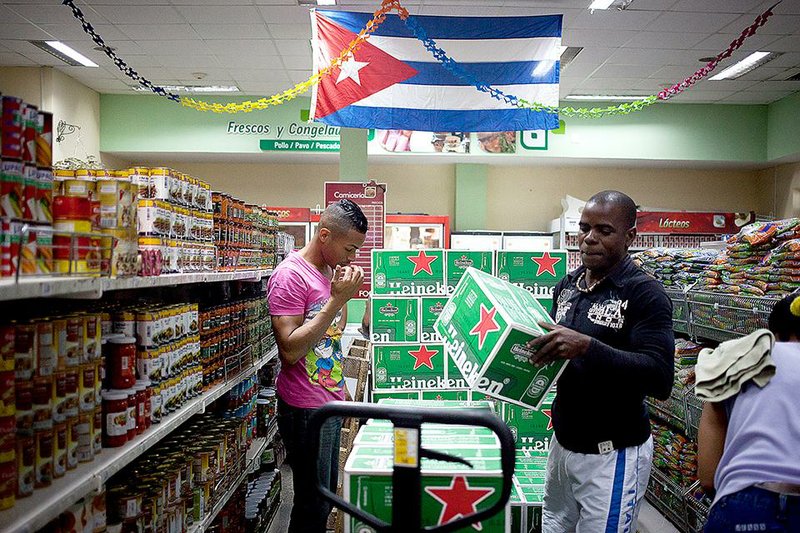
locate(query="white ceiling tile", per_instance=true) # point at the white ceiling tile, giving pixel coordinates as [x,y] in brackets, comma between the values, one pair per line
[293,47]
[254,74]
[194,73]
[790,43]
[158,32]
[788,60]
[43,58]
[299,76]
[191,61]
[212,2]
[74,32]
[138,14]
[553,4]
[648,39]
[289,14]
[612,38]
[670,73]
[12,59]
[778,24]
[83,73]
[232,31]
[784,8]
[275,2]
[624,71]
[774,85]
[293,62]
[754,97]
[762,73]
[720,41]
[724,85]
[125,48]
[290,31]
[614,84]
[22,31]
[612,19]
[717,6]
[251,47]
[463,11]
[227,13]
[50,14]
[699,97]
[174,47]
[10,17]
[244,60]
[654,5]
[691,22]
[261,89]
[138,61]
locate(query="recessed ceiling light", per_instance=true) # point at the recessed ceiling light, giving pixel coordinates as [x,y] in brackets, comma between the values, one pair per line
[753,61]
[610,4]
[192,88]
[65,53]
[604,97]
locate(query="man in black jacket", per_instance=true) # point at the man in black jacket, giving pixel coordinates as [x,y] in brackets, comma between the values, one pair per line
[614,325]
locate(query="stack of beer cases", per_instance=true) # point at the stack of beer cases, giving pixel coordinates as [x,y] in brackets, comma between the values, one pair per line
[409,291]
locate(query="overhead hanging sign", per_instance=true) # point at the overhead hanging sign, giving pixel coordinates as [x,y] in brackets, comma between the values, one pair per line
[371,198]
[692,222]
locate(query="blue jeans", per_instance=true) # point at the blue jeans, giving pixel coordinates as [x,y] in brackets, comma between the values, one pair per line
[754,509]
[309,511]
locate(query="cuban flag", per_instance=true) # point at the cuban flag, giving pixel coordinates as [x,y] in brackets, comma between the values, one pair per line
[393,82]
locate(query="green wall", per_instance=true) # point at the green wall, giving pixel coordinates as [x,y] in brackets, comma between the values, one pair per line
[783,132]
[471,185]
[679,132]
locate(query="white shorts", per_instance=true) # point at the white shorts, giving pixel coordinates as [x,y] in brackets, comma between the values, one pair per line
[595,493]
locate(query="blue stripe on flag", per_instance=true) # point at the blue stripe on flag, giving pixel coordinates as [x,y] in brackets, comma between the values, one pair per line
[612,523]
[511,73]
[512,119]
[455,27]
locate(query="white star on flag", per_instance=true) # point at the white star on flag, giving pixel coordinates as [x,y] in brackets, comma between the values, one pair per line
[349,69]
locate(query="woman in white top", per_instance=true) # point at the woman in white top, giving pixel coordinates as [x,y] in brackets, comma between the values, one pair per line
[749,445]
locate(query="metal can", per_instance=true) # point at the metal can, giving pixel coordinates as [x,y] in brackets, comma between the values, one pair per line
[44,139]
[30,120]
[11,134]
[125,323]
[85,450]
[46,348]
[43,465]
[86,388]
[97,430]
[60,397]
[73,437]
[24,350]
[7,349]
[91,337]
[71,406]
[42,396]
[8,480]
[74,350]
[26,460]
[60,450]
[44,253]
[12,188]
[30,182]
[44,196]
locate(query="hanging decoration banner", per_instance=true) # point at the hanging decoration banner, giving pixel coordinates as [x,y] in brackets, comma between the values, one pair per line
[345,64]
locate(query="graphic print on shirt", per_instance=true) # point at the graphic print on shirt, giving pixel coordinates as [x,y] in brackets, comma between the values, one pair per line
[563,304]
[324,361]
[608,313]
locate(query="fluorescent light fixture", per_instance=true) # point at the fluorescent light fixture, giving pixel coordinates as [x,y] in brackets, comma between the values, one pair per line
[753,61]
[316,2]
[65,53]
[192,88]
[604,97]
[610,4]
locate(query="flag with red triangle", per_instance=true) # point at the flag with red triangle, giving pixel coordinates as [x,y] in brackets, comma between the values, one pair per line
[391,81]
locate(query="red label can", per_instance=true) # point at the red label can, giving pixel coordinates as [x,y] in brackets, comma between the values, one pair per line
[44,139]
[11,130]
[12,188]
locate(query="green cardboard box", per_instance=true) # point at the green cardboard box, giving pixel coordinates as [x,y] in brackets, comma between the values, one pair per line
[408,272]
[536,272]
[458,261]
[532,429]
[486,325]
[430,309]
[413,366]
[394,319]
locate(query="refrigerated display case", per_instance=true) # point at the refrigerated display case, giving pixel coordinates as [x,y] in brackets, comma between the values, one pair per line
[410,232]
[295,221]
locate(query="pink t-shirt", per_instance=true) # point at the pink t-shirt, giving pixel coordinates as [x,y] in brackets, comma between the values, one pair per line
[297,288]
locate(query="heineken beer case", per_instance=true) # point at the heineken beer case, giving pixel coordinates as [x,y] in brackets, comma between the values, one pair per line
[532,429]
[408,272]
[536,272]
[430,309]
[486,325]
[457,262]
[394,319]
[413,366]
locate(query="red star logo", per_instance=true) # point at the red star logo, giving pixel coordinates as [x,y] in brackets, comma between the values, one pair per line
[459,500]
[549,415]
[546,263]
[376,69]
[423,356]
[485,325]
[422,263]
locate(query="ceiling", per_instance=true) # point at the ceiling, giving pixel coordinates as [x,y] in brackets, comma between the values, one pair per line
[262,46]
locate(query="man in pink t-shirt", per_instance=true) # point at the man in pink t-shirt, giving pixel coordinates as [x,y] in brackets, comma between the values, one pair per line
[307,295]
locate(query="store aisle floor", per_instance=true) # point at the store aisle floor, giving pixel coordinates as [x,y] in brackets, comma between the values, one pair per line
[281,522]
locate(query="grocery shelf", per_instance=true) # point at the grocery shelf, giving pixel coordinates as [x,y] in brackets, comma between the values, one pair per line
[36,511]
[86,287]
[253,454]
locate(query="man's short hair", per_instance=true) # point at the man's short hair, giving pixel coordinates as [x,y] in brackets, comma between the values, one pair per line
[343,216]
[619,200]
